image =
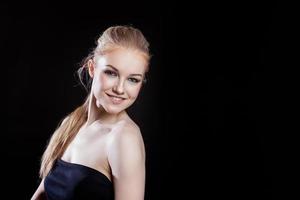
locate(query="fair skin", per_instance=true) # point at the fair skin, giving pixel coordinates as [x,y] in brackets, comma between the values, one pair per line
[109,135]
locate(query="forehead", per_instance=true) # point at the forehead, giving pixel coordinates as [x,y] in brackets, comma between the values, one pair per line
[125,60]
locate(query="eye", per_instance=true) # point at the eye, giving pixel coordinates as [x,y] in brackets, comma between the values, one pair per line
[110,73]
[134,80]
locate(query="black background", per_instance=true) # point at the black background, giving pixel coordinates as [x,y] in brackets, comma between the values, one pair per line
[208,112]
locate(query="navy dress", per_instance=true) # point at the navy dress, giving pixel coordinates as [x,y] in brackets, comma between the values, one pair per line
[70,181]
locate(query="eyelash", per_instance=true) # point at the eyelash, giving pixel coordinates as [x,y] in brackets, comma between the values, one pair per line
[134,80]
[114,74]
[110,73]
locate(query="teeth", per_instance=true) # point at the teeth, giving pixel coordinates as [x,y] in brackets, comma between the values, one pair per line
[115,97]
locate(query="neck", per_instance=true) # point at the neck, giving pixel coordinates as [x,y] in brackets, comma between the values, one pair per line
[99,114]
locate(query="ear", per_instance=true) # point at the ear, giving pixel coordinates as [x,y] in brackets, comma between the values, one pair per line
[91,67]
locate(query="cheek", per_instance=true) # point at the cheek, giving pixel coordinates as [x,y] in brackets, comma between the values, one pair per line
[133,92]
[106,82]
[103,83]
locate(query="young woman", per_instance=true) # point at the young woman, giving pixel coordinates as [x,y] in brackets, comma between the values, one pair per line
[98,152]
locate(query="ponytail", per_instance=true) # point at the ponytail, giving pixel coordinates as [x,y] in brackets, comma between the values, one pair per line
[63,136]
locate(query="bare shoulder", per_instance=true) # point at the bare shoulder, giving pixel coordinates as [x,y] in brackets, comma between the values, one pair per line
[127,142]
[127,130]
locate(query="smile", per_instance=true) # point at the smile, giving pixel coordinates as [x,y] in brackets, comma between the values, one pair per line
[115,99]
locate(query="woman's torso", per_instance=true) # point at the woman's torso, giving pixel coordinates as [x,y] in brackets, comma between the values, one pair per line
[84,169]
[89,148]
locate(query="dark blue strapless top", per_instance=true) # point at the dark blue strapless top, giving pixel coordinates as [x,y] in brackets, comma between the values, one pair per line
[70,181]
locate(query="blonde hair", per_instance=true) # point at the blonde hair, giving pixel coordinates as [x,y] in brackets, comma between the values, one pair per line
[111,38]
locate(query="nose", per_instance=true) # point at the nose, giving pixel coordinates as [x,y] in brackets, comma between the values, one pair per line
[119,87]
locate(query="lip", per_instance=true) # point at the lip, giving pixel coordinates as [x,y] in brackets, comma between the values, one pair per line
[115,99]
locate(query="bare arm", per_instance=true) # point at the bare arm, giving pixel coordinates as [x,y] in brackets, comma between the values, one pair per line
[40,192]
[126,155]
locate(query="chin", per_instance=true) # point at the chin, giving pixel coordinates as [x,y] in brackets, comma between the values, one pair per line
[113,109]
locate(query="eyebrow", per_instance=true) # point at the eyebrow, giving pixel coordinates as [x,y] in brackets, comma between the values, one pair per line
[118,71]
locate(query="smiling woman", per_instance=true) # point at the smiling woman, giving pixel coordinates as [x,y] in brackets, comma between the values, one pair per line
[117,78]
[98,152]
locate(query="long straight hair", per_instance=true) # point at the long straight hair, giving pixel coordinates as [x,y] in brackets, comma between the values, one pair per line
[111,38]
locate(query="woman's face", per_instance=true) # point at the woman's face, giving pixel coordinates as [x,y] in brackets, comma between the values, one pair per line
[117,78]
